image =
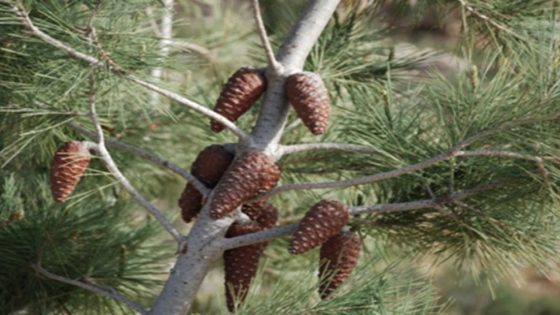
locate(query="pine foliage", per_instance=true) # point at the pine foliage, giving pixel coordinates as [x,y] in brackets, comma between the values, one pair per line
[503,96]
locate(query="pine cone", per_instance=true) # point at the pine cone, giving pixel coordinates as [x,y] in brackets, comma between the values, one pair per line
[68,165]
[338,257]
[190,203]
[251,174]
[309,97]
[241,264]
[262,212]
[208,167]
[243,88]
[324,220]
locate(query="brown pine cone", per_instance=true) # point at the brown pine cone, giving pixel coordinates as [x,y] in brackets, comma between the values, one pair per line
[251,174]
[68,165]
[338,257]
[241,264]
[243,88]
[309,97]
[324,220]
[261,212]
[190,203]
[208,167]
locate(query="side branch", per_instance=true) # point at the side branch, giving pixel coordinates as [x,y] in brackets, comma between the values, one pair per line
[117,70]
[364,179]
[112,166]
[295,148]
[107,292]
[289,229]
[272,62]
[147,155]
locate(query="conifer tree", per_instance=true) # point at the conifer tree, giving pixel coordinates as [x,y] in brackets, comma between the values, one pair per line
[390,153]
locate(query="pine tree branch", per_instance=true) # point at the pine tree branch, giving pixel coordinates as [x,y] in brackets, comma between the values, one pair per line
[145,154]
[291,55]
[164,44]
[119,71]
[119,176]
[364,179]
[107,292]
[454,152]
[302,147]
[205,236]
[272,62]
[267,235]
[500,153]
[489,20]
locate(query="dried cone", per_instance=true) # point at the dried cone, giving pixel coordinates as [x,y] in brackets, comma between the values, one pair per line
[309,97]
[338,257]
[69,164]
[323,221]
[243,88]
[265,214]
[241,264]
[251,174]
[190,203]
[208,167]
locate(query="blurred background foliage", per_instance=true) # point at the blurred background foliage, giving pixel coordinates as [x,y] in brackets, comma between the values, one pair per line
[411,77]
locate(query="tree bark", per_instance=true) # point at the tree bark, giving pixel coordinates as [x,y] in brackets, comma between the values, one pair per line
[206,236]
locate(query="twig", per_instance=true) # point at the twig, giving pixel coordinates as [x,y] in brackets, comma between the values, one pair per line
[119,176]
[364,179]
[117,70]
[454,152]
[295,148]
[107,292]
[164,43]
[272,62]
[289,229]
[487,19]
[500,153]
[145,154]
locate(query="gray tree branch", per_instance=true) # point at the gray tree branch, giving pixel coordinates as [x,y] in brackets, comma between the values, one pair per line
[204,239]
[289,229]
[119,176]
[272,62]
[107,292]
[145,154]
[302,147]
[117,70]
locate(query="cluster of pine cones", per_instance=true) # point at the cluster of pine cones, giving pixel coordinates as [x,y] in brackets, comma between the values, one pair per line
[237,179]
[253,173]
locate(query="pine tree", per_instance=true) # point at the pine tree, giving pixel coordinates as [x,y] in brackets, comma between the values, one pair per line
[445,154]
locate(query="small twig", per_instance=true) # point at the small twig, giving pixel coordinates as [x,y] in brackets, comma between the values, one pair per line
[364,179]
[289,229]
[93,111]
[500,153]
[489,20]
[117,70]
[119,176]
[107,292]
[295,148]
[272,62]
[454,152]
[145,154]
[164,42]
